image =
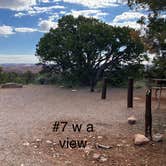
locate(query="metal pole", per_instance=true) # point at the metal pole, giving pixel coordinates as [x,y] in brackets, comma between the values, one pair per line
[104,89]
[148,114]
[130,93]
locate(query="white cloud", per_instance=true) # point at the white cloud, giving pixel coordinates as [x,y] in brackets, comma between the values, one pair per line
[53,16]
[17,4]
[45,25]
[97,3]
[130,24]
[126,16]
[6,30]
[62,12]
[88,13]
[19,14]
[25,29]
[38,10]
[44,1]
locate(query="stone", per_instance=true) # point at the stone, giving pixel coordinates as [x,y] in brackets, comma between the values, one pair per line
[56,155]
[158,137]
[87,149]
[137,98]
[96,156]
[132,120]
[49,142]
[26,143]
[103,146]
[140,139]
[68,162]
[11,85]
[119,145]
[38,140]
[100,137]
[103,159]
[54,143]
[74,90]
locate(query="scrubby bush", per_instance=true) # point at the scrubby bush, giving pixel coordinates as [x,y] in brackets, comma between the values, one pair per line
[23,78]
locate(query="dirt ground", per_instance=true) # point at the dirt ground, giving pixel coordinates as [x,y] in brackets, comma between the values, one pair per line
[27,138]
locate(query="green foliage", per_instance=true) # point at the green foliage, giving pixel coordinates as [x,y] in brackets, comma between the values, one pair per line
[23,78]
[83,48]
[158,69]
[155,5]
[155,39]
[119,76]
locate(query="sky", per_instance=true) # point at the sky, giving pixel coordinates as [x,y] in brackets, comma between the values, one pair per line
[23,22]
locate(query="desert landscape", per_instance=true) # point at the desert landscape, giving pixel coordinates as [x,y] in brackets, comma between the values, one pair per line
[28,115]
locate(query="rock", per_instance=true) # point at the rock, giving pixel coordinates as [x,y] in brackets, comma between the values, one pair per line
[38,140]
[74,90]
[123,141]
[137,98]
[48,142]
[35,146]
[54,143]
[119,145]
[132,120]
[87,149]
[68,162]
[140,139]
[26,143]
[158,137]
[96,156]
[11,85]
[103,146]
[56,155]
[100,137]
[103,159]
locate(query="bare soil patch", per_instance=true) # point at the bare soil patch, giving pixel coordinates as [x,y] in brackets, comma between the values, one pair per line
[27,116]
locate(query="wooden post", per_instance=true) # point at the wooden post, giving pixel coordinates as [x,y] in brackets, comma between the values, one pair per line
[92,85]
[104,89]
[148,114]
[130,93]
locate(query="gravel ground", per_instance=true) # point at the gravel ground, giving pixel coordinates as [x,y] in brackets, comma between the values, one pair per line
[27,116]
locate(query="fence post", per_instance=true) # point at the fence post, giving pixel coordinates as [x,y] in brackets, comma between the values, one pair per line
[148,114]
[92,86]
[130,93]
[104,88]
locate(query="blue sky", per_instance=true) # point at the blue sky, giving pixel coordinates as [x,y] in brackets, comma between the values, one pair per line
[23,22]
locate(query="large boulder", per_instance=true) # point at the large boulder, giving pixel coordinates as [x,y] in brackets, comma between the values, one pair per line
[11,85]
[140,139]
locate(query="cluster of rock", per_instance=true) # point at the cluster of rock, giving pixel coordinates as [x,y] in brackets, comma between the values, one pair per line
[140,139]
